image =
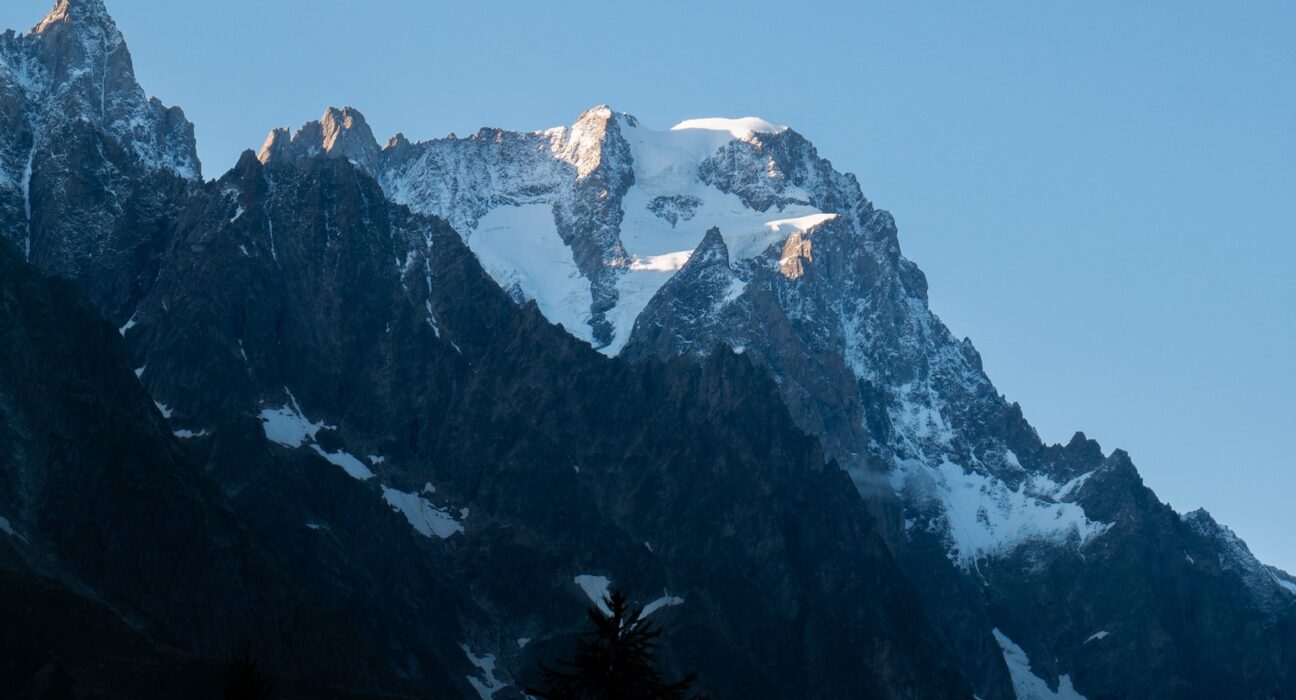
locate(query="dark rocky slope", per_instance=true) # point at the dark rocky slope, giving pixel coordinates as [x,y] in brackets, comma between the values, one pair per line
[99,501]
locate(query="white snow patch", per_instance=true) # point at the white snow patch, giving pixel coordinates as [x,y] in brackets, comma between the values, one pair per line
[162,408]
[669,262]
[287,426]
[523,641]
[740,128]
[244,250]
[1097,636]
[988,518]
[237,215]
[519,246]
[487,684]
[352,466]
[1027,685]
[797,224]
[185,434]
[139,372]
[316,526]
[596,589]
[126,328]
[377,459]
[425,518]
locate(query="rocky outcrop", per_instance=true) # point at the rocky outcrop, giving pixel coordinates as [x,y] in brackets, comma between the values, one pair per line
[340,133]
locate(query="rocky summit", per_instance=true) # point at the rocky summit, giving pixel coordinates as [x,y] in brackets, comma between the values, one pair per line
[389,419]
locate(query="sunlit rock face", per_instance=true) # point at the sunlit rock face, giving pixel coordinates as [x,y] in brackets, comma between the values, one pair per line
[340,133]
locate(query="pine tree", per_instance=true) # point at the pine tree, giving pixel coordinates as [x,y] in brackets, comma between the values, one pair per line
[245,679]
[614,660]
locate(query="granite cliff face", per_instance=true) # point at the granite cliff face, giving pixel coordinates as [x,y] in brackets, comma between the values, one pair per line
[404,410]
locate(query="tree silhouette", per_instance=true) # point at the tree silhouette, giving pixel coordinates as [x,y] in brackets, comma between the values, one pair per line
[614,660]
[245,679]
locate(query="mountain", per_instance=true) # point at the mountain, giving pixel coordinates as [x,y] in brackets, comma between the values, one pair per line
[394,415]
[735,233]
[354,379]
[451,477]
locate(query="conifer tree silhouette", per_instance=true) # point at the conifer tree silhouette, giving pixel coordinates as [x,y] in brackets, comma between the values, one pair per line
[245,679]
[614,660]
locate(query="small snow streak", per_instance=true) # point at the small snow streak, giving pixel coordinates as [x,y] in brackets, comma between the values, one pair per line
[26,186]
[7,528]
[667,600]
[425,518]
[352,466]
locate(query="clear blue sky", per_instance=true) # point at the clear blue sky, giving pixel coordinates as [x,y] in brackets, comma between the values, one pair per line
[1102,194]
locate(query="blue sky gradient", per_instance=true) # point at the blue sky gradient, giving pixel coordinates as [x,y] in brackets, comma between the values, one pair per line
[1103,195]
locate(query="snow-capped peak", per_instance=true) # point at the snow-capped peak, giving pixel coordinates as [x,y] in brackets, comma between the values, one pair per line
[608,208]
[741,128]
[74,67]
